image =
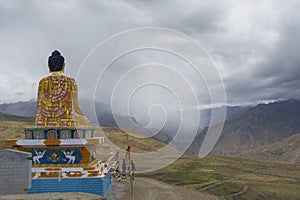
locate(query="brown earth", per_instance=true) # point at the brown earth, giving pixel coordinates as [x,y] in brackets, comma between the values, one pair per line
[144,188]
[150,189]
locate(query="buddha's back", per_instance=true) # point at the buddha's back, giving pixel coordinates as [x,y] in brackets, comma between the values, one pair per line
[57,102]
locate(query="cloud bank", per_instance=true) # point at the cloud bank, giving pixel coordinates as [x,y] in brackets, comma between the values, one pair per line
[254,44]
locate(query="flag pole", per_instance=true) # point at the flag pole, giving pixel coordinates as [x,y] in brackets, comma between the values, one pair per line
[130,173]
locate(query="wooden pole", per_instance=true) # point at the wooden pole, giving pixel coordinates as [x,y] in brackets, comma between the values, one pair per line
[131,186]
[130,174]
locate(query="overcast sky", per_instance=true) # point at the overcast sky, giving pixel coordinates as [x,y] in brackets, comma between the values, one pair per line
[255,44]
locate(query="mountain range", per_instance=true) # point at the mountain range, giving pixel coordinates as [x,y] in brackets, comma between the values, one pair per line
[261,125]
[287,150]
[265,131]
[255,129]
[25,108]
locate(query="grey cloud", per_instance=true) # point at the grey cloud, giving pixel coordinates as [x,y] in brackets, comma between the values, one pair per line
[190,17]
[255,43]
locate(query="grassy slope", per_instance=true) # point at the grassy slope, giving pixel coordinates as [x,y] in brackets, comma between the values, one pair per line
[13,127]
[234,178]
[118,137]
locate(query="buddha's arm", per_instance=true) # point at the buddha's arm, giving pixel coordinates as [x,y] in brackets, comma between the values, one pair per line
[75,98]
[38,101]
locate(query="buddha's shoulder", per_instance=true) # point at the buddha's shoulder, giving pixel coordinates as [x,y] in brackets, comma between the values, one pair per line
[46,78]
[66,78]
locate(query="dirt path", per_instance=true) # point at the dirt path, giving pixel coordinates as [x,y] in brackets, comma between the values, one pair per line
[150,189]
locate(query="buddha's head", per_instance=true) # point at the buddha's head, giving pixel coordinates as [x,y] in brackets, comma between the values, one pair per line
[56,62]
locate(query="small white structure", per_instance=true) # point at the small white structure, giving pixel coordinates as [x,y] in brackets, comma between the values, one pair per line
[15,171]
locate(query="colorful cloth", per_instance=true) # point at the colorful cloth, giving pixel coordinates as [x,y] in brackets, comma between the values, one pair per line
[127,159]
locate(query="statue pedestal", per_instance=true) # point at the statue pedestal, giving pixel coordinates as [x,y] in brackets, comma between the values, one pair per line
[64,153]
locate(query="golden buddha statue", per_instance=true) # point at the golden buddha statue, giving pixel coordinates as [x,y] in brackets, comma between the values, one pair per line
[57,100]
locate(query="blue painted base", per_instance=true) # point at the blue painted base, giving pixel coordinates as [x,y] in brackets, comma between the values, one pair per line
[93,185]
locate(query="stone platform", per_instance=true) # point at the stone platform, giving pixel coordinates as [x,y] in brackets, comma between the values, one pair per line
[63,160]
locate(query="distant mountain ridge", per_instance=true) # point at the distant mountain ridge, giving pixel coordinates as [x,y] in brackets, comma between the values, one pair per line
[287,150]
[261,125]
[232,112]
[26,108]
[5,117]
